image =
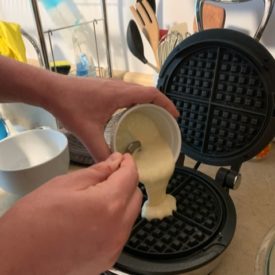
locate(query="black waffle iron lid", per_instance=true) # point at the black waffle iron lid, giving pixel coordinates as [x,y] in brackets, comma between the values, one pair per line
[223,84]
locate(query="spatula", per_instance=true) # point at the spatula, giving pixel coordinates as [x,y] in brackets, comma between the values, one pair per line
[147,21]
[135,44]
[152,3]
[213,17]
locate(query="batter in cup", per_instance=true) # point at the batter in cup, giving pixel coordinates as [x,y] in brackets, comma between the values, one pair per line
[155,163]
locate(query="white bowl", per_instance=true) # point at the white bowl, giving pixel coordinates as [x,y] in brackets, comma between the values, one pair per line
[31,158]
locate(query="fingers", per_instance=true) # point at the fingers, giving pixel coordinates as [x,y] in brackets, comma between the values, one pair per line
[103,170]
[85,178]
[123,182]
[162,101]
[141,94]
[130,216]
[133,208]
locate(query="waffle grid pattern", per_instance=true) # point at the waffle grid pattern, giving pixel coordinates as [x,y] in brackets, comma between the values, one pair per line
[221,99]
[198,217]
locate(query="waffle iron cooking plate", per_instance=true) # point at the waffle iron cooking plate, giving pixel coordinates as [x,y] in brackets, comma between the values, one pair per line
[194,236]
[222,82]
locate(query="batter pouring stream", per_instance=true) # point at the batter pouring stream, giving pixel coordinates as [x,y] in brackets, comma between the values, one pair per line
[155,163]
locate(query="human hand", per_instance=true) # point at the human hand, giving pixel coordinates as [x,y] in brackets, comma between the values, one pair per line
[74,224]
[85,105]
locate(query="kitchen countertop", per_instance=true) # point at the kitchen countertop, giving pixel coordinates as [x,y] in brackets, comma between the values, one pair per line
[255,206]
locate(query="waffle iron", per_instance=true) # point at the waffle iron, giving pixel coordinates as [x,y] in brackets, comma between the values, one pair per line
[222,82]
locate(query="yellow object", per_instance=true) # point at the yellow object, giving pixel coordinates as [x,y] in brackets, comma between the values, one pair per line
[59,63]
[11,42]
[61,66]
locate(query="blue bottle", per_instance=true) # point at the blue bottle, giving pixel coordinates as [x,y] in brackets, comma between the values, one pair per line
[65,13]
[3,129]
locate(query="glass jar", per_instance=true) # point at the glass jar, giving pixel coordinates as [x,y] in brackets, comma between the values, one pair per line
[265,260]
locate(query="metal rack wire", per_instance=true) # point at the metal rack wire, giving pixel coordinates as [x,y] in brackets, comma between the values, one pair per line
[49,33]
[94,22]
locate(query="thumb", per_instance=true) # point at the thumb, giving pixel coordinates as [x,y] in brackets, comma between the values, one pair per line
[85,178]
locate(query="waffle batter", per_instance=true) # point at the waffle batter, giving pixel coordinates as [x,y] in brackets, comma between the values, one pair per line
[154,161]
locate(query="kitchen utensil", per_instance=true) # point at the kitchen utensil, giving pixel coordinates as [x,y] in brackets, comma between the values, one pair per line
[167,44]
[133,147]
[267,13]
[181,27]
[147,21]
[166,124]
[222,82]
[135,44]
[175,35]
[31,158]
[162,33]
[152,4]
[213,17]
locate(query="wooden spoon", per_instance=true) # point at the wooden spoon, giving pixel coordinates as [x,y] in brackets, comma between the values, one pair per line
[213,17]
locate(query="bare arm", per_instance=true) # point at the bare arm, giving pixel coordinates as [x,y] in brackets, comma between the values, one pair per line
[74,224]
[77,223]
[83,105]
[25,83]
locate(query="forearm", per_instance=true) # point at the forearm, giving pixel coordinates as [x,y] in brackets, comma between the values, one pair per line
[27,84]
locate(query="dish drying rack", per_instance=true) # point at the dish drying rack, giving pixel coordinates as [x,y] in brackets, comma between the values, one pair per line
[78,152]
[50,32]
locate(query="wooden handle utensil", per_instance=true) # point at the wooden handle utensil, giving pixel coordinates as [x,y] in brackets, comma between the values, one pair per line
[213,17]
[147,21]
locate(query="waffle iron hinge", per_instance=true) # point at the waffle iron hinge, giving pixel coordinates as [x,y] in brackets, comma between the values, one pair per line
[229,178]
